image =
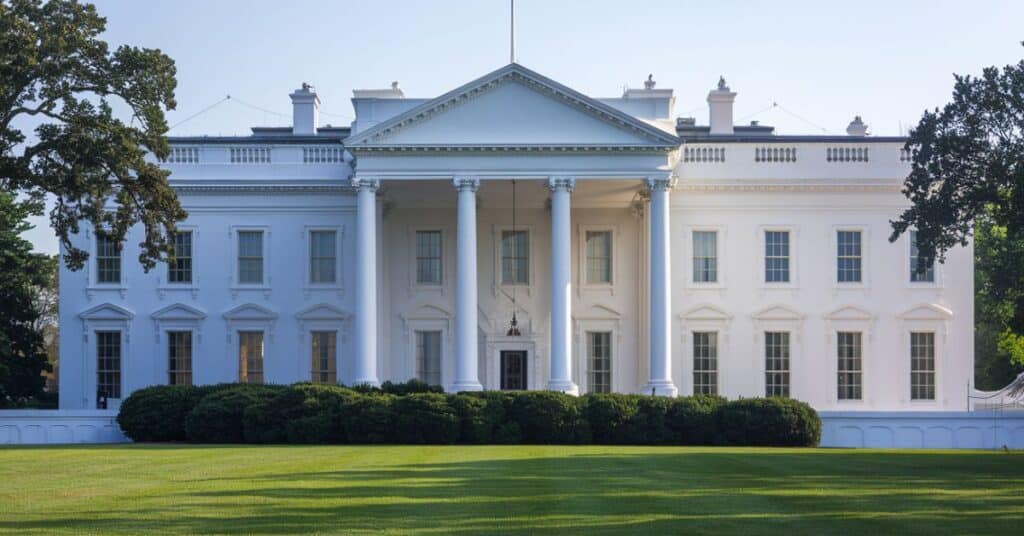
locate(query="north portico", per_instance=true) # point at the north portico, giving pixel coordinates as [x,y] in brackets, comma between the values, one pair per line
[575,159]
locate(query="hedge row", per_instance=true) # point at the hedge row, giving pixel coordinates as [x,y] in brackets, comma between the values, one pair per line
[307,413]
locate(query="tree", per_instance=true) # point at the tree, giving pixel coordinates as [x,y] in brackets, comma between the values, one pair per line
[967,177]
[22,356]
[55,70]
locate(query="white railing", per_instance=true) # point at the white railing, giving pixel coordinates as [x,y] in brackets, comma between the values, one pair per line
[703,154]
[183,155]
[322,155]
[249,155]
[774,154]
[846,154]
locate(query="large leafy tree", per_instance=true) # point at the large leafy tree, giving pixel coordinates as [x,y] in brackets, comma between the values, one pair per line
[58,74]
[967,176]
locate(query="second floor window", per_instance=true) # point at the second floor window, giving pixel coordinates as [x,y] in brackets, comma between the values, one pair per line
[108,260]
[705,257]
[179,269]
[917,275]
[250,257]
[515,257]
[322,256]
[776,256]
[848,256]
[599,257]
[428,257]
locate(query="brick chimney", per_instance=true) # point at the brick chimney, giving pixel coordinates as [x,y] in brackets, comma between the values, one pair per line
[305,111]
[720,102]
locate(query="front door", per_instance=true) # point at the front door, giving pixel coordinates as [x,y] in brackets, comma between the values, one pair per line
[513,370]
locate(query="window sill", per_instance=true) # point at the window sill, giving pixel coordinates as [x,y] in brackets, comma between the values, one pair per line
[718,285]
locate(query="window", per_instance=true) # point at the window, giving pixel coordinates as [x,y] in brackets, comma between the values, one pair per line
[108,260]
[179,269]
[428,356]
[599,352]
[179,357]
[250,357]
[428,257]
[705,257]
[324,353]
[250,257]
[776,354]
[705,363]
[599,257]
[922,366]
[848,350]
[322,256]
[776,256]
[515,257]
[848,257]
[919,276]
[108,364]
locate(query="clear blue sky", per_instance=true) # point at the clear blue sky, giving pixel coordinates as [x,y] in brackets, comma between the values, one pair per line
[823,61]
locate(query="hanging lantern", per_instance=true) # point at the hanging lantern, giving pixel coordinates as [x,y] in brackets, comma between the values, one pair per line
[513,327]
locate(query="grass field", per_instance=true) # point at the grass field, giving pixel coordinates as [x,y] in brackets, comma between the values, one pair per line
[507,489]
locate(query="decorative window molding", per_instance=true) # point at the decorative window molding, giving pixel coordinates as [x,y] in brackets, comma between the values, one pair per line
[163,275]
[720,252]
[428,318]
[249,317]
[339,244]
[794,257]
[178,317]
[582,282]
[600,318]
[234,284]
[92,269]
[448,259]
[937,269]
[105,317]
[925,318]
[321,317]
[498,285]
[705,317]
[850,318]
[865,257]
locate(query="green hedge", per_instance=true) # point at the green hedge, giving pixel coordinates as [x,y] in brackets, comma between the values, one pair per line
[321,414]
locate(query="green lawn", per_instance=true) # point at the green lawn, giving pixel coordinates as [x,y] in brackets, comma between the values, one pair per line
[499,489]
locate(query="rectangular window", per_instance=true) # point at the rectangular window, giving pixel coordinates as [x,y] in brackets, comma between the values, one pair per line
[848,256]
[322,256]
[108,364]
[108,260]
[515,257]
[324,357]
[179,357]
[250,357]
[848,349]
[179,269]
[428,356]
[776,256]
[705,257]
[922,366]
[599,351]
[705,363]
[776,366]
[428,257]
[919,276]
[250,257]
[599,257]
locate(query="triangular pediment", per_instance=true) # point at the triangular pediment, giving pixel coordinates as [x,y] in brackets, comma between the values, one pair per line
[179,311]
[106,311]
[513,107]
[706,312]
[778,312]
[926,311]
[250,311]
[849,312]
[322,311]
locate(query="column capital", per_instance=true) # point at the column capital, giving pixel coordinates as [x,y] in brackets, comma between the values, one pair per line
[364,182]
[560,183]
[660,183]
[466,183]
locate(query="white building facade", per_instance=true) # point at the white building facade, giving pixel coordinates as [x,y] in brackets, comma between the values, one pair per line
[638,253]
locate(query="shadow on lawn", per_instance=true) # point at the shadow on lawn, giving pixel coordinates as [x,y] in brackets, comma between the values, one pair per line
[667,491]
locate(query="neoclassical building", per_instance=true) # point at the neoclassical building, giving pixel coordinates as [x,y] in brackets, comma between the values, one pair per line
[637,251]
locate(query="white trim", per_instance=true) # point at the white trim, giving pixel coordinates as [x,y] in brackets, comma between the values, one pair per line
[447,258]
[850,318]
[581,246]
[164,284]
[865,258]
[234,283]
[705,318]
[339,244]
[720,256]
[498,285]
[794,251]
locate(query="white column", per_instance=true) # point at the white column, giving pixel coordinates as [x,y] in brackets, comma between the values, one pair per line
[467,377]
[366,282]
[660,319]
[561,287]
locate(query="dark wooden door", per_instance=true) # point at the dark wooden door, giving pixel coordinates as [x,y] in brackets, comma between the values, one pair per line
[513,370]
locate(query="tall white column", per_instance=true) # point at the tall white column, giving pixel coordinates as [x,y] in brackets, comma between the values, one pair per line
[366,282]
[660,319]
[467,377]
[561,287]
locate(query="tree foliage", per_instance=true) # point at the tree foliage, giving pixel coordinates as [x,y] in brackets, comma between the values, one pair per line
[56,72]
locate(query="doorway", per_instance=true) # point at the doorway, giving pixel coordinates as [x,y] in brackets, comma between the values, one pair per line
[513,370]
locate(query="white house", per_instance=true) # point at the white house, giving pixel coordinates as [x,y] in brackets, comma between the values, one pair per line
[637,251]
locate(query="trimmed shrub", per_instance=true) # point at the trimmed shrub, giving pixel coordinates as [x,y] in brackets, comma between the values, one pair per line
[612,417]
[549,417]
[369,419]
[300,413]
[772,422]
[217,418]
[398,389]
[158,413]
[425,418]
[650,425]
[692,419]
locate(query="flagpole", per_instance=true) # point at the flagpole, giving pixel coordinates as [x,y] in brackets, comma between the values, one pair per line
[512,34]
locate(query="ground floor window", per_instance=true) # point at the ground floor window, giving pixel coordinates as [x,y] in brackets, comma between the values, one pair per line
[599,352]
[705,363]
[776,367]
[848,350]
[179,357]
[250,356]
[428,356]
[324,353]
[108,365]
[922,366]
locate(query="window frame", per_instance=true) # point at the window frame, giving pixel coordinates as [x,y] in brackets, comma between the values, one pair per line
[935,359]
[121,361]
[191,258]
[794,271]
[332,360]
[788,371]
[416,233]
[937,271]
[339,242]
[236,283]
[865,257]
[239,332]
[94,268]
[417,370]
[582,280]
[861,338]
[191,356]
[610,323]
[692,255]
[499,282]
[591,359]
[716,371]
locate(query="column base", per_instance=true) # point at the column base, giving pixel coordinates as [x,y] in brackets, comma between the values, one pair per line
[565,386]
[371,382]
[660,388]
[471,385]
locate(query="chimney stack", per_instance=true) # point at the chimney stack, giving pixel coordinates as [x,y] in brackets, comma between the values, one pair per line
[720,104]
[857,127]
[305,111]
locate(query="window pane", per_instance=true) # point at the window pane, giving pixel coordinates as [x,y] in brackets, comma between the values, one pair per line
[599,256]
[705,256]
[705,363]
[108,260]
[428,257]
[179,357]
[919,276]
[848,256]
[428,356]
[250,357]
[922,366]
[250,257]
[776,256]
[108,364]
[322,256]
[179,269]
[848,348]
[323,352]
[599,352]
[515,260]
[776,353]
